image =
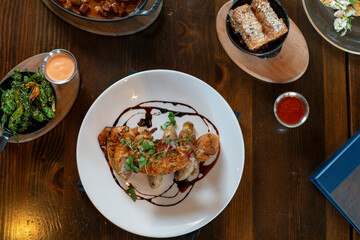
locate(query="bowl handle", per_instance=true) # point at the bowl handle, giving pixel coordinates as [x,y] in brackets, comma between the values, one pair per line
[149,11]
[4,138]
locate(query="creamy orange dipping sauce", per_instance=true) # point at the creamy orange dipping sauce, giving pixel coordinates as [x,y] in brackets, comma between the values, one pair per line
[60,67]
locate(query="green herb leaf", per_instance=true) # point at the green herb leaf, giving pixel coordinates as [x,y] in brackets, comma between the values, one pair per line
[165,125]
[130,164]
[148,145]
[123,141]
[131,192]
[172,121]
[171,117]
[151,151]
[352,1]
[173,154]
[141,161]
[167,141]
[141,140]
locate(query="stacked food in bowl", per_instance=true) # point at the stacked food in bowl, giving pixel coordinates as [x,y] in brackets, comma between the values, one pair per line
[258,27]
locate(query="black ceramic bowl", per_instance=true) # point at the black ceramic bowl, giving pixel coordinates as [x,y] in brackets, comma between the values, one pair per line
[274,47]
[137,12]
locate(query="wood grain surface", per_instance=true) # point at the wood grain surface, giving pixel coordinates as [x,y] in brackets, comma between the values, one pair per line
[275,200]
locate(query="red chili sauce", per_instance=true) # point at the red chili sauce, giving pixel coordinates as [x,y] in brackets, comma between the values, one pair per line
[290,110]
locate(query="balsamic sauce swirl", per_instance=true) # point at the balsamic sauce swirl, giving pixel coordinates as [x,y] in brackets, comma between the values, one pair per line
[182,186]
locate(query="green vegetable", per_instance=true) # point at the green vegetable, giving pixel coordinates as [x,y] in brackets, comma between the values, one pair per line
[18,110]
[130,164]
[37,115]
[25,121]
[8,104]
[141,161]
[148,145]
[4,119]
[131,192]
[172,121]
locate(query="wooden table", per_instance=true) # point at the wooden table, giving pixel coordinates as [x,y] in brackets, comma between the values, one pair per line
[275,200]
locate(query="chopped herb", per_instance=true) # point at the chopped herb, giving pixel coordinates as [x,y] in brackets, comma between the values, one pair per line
[165,125]
[151,152]
[141,161]
[173,154]
[130,164]
[123,141]
[141,140]
[131,192]
[172,121]
[148,145]
[171,117]
[167,141]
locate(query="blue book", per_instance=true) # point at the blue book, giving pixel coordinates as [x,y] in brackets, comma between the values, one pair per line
[339,180]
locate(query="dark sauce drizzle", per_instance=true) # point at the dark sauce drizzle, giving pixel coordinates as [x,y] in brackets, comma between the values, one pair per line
[182,186]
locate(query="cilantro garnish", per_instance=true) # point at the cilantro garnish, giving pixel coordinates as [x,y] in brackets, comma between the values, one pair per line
[172,121]
[151,151]
[142,161]
[130,164]
[131,192]
[352,1]
[148,145]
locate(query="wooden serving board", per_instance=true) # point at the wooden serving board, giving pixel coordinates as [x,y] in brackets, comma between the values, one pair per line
[288,66]
[118,28]
[65,97]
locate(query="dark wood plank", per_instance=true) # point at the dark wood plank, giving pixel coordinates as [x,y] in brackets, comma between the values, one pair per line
[287,205]
[354,99]
[31,198]
[275,199]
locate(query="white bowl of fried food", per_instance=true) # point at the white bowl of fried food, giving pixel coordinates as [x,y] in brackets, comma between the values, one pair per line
[176,171]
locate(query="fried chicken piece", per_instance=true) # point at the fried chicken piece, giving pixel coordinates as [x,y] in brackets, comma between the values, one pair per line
[170,158]
[187,139]
[117,153]
[207,144]
[155,180]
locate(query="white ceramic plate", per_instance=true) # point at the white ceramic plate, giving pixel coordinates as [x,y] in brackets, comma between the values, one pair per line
[209,195]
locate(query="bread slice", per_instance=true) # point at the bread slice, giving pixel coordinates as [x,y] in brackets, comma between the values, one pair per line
[273,27]
[243,21]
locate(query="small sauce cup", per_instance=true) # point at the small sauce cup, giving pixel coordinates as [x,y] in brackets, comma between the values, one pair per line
[291,109]
[60,66]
